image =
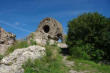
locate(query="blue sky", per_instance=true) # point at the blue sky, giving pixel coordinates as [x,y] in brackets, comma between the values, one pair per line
[22,17]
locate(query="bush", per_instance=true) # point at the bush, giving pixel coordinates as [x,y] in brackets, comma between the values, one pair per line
[51,63]
[81,50]
[92,29]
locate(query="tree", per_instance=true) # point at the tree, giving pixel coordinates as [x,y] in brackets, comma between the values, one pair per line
[92,29]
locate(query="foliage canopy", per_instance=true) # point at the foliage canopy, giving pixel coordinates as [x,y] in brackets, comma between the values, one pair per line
[91,29]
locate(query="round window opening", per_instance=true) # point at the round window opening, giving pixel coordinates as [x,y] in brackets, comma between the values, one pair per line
[46,28]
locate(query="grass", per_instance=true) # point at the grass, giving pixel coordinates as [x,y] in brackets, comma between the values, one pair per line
[18,45]
[1,56]
[51,63]
[90,66]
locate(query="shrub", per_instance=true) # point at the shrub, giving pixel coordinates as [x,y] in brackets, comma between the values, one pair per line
[93,29]
[81,50]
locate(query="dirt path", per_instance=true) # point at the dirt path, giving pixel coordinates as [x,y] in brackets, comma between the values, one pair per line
[70,64]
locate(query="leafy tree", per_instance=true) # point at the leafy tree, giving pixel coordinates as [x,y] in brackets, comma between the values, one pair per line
[93,29]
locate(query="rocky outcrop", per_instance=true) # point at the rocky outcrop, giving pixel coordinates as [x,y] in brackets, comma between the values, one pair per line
[6,39]
[48,29]
[13,62]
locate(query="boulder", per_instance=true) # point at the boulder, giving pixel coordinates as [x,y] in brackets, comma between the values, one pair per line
[14,61]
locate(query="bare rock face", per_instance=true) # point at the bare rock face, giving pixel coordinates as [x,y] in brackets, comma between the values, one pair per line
[13,62]
[49,29]
[6,39]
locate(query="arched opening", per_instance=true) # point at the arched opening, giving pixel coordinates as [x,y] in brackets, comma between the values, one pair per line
[59,40]
[59,37]
[46,28]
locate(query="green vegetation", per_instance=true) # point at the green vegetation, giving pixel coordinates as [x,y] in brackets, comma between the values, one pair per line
[51,63]
[32,42]
[89,37]
[1,56]
[31,37]
[90,66]
[17,45]
[88,40]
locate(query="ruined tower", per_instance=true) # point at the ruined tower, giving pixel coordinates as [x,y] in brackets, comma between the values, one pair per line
[49,30]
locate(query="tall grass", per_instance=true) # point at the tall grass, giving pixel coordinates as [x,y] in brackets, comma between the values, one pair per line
[20,44]
[17,45]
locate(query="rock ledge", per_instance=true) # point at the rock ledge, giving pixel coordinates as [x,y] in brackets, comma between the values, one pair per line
[13,62]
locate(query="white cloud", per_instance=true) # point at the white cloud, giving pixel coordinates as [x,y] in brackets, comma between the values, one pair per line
[15,26]
[17,23]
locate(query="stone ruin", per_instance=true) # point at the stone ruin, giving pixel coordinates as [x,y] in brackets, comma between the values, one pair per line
[6,39]
[49,30]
